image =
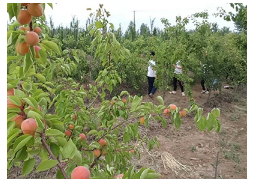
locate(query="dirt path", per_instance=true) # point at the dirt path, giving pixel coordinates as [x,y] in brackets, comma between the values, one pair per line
[197,151]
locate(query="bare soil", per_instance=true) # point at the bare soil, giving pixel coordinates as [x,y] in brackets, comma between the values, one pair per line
[188,153]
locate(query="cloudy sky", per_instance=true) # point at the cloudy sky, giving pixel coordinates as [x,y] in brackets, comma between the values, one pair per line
[122,12]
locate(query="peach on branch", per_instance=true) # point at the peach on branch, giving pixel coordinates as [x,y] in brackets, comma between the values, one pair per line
[37,48]
[102,142]
[10,92]
[22,48]
[80,172]
[29,126]
[24,17]
[82,136]
[18,120]
[35,9]
[32,38]
[97,153]
[37,30]
[67,133]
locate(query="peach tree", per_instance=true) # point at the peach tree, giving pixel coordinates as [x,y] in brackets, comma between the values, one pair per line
[59,123]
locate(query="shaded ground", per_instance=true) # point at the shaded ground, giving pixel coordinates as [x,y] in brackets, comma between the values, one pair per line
[193,152]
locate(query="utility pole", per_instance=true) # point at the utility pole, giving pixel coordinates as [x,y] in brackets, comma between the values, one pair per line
[134,25]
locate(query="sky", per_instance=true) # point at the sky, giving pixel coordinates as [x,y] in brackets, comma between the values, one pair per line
[122,13]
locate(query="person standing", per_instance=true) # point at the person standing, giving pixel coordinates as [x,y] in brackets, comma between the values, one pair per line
[177,72]
[202,82]
[151,75]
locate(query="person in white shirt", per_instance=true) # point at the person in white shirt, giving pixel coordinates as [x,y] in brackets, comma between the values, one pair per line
[151,75]
[178,70]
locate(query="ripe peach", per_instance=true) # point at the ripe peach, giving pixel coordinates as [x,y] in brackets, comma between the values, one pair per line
[24,17]
[32,38]
[182,113]
[102,142]
[80,172]
[97,153]
[35,9]
[37,48]
[37,30]
[124,100]
[22,48]
[142,120]
[22,28]
[82,136]
[74,116]
[132,151]
[173,107]
[29,126]
[166,112]
[10,92]
[119,176]
[71,126]
[67,132]
[18,120]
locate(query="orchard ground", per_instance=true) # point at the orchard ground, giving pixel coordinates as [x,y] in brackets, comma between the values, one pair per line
[188,152]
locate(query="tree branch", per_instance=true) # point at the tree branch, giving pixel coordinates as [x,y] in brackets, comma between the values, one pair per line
[111,130]
[53,157]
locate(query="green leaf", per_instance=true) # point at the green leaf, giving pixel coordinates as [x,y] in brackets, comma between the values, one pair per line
[10,126]
[202,123]
[19,93]
[152,176]
[160,99]
[55,149]
[27,86]
[50,4]
[32,102]
[59,175]
[22,154]
[210,121]
[41,78]
[15,100]
[92,132]
[151,144]
[45,165]
[27,63]
[69,149]
[33,114]
[13,134]
[136,102]
[217,126]
[138,174]
[216,112]
[78,158]
[49,45]
[43,56]
[177,121]
[61,140]
[124,93]
[28,166]
[53,132]
[98,24]
[144,174]
[20,142]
